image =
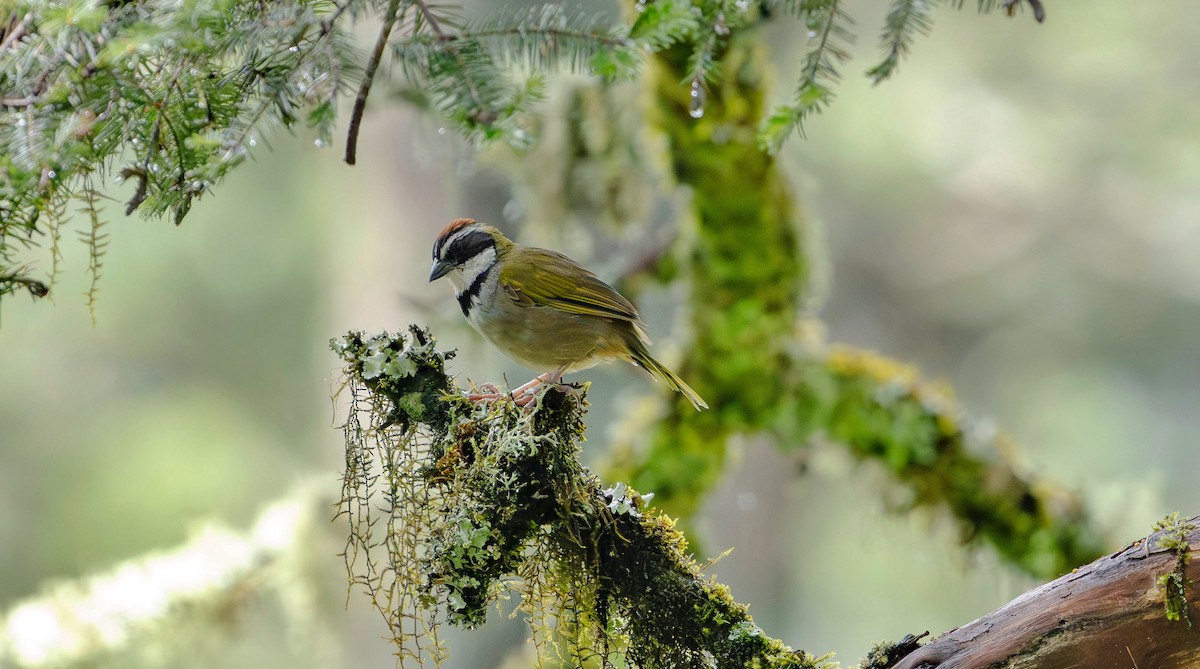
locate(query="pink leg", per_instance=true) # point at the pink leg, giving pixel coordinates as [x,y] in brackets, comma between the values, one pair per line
[525,394]
[533,383]
[521,395]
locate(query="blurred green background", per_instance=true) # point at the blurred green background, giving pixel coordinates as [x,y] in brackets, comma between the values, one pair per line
[1016,212]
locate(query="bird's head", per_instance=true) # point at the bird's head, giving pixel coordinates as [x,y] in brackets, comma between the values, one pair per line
[466,248]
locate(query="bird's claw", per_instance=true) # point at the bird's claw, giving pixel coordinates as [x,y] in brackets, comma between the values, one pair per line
[486,393]
[521,398]
[524,400]
[524,395]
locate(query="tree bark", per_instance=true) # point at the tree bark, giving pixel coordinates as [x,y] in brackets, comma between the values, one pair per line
[1110,613]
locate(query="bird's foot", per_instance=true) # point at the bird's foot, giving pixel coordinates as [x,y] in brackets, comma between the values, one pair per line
[526,400]
[521,395]
[533,395]
[489,392]
[524,395]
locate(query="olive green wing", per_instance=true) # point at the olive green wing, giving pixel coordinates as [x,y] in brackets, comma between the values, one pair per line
[537,277]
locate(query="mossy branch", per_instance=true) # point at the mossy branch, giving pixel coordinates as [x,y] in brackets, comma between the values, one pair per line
[757,360]
[189,605]
[450,503]
[882,411]
[746,270]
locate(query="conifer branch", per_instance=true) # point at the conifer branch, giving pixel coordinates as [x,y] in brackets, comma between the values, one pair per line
[905,19]
[36,288]
[142,174]
[436,27]
[814,91]
[96,243]
[84,71]
[429,18]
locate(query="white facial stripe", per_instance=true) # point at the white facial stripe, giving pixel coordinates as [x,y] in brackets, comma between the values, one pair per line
[478,264]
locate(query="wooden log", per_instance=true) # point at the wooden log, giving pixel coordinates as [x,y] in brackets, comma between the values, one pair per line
[1110,613]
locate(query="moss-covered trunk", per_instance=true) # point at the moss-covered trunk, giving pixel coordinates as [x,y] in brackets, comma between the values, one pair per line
[746,267]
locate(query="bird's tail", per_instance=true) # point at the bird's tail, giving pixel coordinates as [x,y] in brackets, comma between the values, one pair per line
[642,358]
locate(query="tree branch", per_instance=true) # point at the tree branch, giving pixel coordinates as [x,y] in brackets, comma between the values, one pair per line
[883,411]
[364,89]
[463,497]
[450,502]
[748,272]
[1109,613]
[175,604]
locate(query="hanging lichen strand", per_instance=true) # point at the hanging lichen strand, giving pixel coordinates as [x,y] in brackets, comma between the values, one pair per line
[450,504]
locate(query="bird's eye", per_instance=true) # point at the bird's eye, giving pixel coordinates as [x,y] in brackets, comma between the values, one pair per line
[464,247]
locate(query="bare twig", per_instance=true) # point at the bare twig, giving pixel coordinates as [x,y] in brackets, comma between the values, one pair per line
[1038,12]
[142,173]
[327,24]
[364,89]
[431,19]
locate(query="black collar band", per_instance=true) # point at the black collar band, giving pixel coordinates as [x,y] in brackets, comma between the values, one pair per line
[472,291]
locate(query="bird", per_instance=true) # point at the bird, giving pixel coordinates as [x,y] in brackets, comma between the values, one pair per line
[541,308]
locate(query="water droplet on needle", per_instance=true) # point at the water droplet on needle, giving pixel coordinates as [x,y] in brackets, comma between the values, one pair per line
[696,108]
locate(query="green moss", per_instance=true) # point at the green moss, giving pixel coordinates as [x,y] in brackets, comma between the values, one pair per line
[882,411]
[674,616]
[1176,584]
[746,268]
[886,654]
